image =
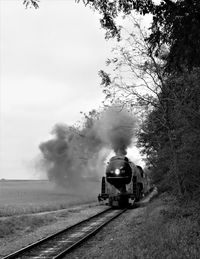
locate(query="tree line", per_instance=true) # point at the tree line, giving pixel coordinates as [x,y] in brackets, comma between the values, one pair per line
[166,62]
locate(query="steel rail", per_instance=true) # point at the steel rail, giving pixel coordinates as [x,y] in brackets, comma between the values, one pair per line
[43,240]
[22,252]
[69,249]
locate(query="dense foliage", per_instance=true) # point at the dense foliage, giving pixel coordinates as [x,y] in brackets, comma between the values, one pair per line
[171,139]
[170,133]
[175,23]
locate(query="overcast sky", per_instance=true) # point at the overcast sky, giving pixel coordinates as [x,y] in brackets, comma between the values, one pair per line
[50,60]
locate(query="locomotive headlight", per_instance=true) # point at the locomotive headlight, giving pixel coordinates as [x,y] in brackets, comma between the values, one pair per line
[117,171]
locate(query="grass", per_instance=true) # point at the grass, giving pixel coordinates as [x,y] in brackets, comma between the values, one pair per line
[22,197]
[168,231]
[16,224]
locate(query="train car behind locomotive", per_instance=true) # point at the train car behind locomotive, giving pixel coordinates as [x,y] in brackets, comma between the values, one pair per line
[124,182]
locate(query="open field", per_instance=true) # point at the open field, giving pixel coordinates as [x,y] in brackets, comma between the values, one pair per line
[31,210]
[29,196]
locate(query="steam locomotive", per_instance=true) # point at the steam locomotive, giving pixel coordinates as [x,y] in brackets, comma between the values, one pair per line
[124,182]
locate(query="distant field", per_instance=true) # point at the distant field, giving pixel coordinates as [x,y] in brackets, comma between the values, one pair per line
[27,196]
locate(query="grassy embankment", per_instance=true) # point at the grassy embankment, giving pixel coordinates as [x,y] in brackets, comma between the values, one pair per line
[169,230]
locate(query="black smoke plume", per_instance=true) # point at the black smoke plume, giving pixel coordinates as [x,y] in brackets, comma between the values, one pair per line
[78,153]
[116,128]
[58,155]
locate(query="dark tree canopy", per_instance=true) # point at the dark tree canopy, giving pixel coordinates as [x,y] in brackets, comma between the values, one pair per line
[175,23]
[111,9]
[29,3]
[178,26]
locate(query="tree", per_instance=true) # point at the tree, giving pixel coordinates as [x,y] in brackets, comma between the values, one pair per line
[179,141]
[135,76]
[171,108]
[178,109]
[175,24]
[29,3]
[139,81]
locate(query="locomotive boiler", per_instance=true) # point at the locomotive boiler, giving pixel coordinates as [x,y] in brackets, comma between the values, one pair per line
[123,183]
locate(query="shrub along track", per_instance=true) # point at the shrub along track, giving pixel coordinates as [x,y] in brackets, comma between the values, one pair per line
[62,242]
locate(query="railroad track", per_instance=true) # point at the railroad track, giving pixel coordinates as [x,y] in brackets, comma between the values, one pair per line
[62,242]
